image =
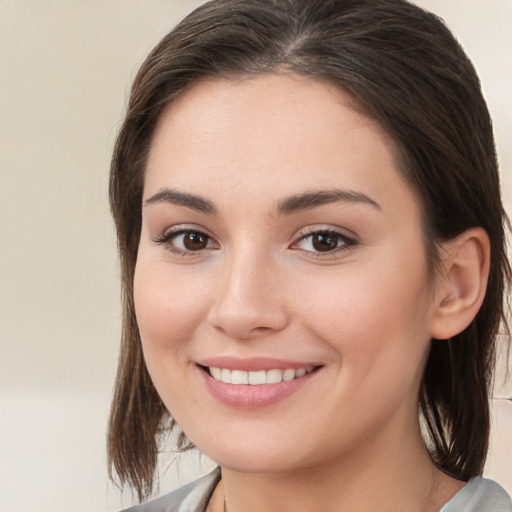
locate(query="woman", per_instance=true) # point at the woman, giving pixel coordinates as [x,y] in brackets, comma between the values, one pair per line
[312,245]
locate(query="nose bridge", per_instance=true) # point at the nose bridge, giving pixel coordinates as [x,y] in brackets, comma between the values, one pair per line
[248,302]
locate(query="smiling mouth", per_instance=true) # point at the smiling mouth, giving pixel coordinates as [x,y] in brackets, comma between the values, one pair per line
[255,378]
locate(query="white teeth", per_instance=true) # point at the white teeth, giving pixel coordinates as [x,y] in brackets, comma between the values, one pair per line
[289,374]
[239,377]
[216,373]
[225,376]
[273,376]
[258,377]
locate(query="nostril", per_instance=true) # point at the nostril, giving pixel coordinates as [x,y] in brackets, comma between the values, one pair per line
[261,330]
[246,319]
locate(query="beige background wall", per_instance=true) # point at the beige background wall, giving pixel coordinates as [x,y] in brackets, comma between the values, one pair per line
[65,67]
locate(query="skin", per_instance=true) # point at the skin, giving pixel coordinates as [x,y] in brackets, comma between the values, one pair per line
[349,438]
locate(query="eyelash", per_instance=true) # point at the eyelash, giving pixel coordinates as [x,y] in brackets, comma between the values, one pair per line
[344,243]
[166,239]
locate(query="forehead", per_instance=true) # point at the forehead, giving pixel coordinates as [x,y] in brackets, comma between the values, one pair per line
[272,133]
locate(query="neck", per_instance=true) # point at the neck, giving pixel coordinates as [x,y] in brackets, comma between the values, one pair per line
[386,476]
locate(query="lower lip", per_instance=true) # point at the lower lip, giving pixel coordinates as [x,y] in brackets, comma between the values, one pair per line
[246,396]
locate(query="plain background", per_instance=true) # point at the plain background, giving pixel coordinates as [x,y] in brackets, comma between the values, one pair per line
[65,69]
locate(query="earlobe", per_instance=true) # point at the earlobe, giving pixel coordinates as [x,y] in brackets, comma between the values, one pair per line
[462,284]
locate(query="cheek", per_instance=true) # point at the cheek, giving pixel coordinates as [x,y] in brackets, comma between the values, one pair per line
[371,317]
[168,306]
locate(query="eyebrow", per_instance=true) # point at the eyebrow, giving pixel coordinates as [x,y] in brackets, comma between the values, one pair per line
[310,200]
[292,204]
[191,201]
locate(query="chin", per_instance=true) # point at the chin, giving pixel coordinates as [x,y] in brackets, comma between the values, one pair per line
[256,464]
[255,457]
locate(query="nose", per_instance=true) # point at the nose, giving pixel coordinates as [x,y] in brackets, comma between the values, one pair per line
[249,303]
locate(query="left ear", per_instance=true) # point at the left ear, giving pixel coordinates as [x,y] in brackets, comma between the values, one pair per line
[461,285]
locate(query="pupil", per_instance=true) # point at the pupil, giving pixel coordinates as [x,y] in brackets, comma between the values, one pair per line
[195,241]
[325,242]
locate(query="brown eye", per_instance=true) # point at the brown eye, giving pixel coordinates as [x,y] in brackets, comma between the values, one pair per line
[318,242]
[186,241]
[323,242]
[195,241]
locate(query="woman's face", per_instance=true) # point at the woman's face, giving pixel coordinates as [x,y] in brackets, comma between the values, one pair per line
[281,288]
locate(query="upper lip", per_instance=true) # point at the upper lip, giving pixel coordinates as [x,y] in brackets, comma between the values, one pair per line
[254,363]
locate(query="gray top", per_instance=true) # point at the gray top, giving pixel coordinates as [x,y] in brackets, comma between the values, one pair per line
[478,495]
[192,497]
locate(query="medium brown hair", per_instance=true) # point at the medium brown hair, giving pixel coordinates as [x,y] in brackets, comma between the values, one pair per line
[404,69]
